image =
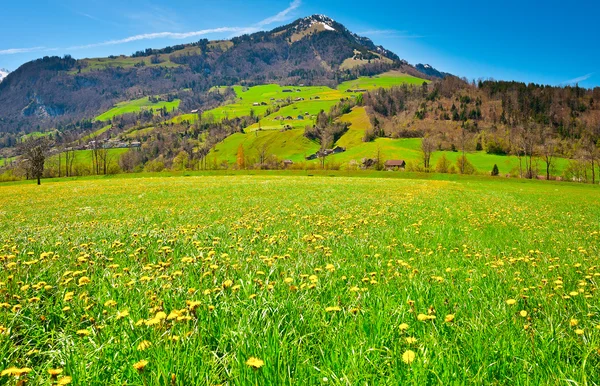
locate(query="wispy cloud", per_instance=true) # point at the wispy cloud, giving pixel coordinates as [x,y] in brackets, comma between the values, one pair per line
[390,33]
[12,51]
[578,80]
[159,35]
[281,16]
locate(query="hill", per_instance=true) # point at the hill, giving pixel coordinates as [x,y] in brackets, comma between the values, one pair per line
[54,92]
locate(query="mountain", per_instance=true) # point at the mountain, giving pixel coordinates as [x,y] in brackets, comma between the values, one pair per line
[316,50]
[429,70]
[3,74]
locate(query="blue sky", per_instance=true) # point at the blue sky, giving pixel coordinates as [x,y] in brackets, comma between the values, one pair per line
[550,42]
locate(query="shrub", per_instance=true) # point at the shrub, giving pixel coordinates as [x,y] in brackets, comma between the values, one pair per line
[442,165]
[495,170]
[464,166]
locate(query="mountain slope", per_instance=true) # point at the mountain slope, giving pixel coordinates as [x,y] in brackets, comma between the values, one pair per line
[316,50]
[3,73]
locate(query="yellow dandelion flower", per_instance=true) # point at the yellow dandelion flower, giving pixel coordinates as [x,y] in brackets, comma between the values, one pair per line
[510,302]
[408,357]
[403,327]
[55,372]
[15,372]
[573,322]
[64,381]
[333,309]
[449,318]
[122,314]
[523,313]
[255,363]
[579,331]
[141,365]
[411,340]
[83,332]
[144,345]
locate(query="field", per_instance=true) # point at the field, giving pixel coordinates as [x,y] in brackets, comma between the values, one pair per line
[136,106]
[388,79]
[272,280]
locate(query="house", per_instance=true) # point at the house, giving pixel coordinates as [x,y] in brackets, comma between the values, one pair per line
[289,118]
[255,104]
[311,157]
[300,117]
[136,144]
[317,97]
[395,164]
[194,111]
[338,149]
[287,163]
[286,90]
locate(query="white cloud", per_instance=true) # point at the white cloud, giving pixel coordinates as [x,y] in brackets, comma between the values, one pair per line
[12,51]
[159,35]
[578,80]
[281,16]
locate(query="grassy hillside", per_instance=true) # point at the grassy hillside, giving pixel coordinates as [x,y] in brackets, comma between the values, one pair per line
[83,161]
[294,280]
[388,79]
[136,106]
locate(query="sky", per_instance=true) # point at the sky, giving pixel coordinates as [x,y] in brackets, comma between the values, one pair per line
[546,42]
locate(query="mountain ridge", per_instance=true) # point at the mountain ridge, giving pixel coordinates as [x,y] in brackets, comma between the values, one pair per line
[315,50]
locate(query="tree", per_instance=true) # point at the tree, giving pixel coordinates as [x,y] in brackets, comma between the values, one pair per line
[548,151]
[464,165]
[495,171]
[35,154]
[443,165]
[241,158]
[428,145]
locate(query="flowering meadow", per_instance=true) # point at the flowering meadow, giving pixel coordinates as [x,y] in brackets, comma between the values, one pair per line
[265,280]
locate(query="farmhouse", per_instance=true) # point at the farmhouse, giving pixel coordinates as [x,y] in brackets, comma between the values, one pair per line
[395,164]
[287,163]
[286,90]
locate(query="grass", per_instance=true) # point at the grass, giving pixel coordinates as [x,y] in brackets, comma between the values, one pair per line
[136,106]
[388,79]
[83,161]
[348,280]
[96,133]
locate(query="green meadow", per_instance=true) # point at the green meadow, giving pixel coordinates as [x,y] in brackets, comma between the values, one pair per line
[136,106]
[299,280]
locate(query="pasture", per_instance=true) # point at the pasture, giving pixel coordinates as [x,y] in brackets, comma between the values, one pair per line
[299,280]
[137,105]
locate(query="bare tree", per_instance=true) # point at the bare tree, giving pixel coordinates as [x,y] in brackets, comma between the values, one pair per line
[548,151]
[428,146]
[35,155]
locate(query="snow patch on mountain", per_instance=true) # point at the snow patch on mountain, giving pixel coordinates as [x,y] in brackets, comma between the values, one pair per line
[3,74]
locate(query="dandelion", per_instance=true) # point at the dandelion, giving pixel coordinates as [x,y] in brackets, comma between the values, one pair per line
[15,372]
[64,381]
[403,327]
[510,302]
[408,357]
[255,363]
[523,313]
[411,340]
[144,345]
[141,365]
[449,318]
[579,331]
[55,372]
[424,318]
[333,309]
[574,322]
[83,333]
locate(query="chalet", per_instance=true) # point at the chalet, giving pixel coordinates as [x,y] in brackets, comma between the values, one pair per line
[317,97]
[300,117]
[286,90]
[136,144]
[299,99]
[289,118]
[287,163]
[395,164]
[194,111]
[255,104]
